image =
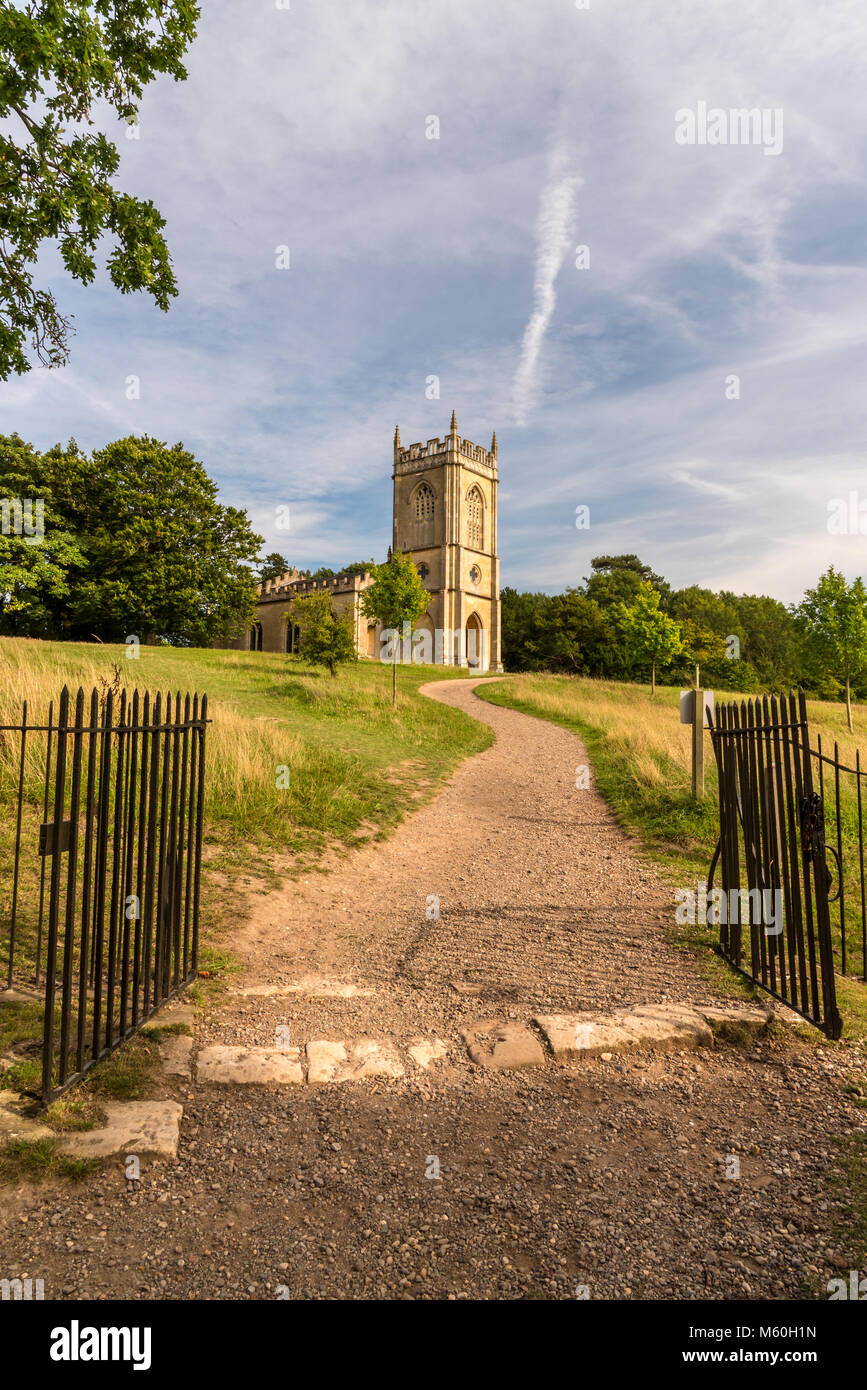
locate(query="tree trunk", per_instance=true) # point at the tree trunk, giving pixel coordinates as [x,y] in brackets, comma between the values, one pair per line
[652,678]
[848,705]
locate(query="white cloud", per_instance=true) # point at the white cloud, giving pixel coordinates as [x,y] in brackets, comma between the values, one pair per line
[413,257]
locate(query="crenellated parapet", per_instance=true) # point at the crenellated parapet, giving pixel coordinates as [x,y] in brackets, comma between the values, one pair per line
[436,451]
[286,586]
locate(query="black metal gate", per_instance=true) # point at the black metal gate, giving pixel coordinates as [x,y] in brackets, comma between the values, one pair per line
[99,890]
[773,907]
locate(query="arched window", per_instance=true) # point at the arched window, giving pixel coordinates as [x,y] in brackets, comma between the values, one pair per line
[424,503]
[475,518]
[256,637]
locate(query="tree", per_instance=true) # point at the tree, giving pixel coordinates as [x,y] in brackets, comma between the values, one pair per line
[163,558]
[326,638]
[519,616]
[649,633]
[37,551]
[618,578]
[274,566]
[59,64]
[571,635]
[833,617]
[396,596]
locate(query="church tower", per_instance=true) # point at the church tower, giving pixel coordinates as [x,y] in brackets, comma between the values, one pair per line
[445,515]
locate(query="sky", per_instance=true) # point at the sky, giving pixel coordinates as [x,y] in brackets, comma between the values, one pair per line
[695,376]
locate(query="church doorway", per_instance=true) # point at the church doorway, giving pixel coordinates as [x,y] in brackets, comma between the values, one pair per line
[256,637]
[475,639]
[371,641]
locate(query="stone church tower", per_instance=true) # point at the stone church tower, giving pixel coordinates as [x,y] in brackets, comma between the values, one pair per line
[445,514]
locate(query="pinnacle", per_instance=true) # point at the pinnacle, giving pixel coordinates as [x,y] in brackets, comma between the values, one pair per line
[453,428]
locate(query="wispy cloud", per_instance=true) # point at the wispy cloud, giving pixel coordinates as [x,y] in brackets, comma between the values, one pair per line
[553,235]
[414,258]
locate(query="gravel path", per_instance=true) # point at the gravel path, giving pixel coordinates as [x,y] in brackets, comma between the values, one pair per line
[609,1175]
[543,903]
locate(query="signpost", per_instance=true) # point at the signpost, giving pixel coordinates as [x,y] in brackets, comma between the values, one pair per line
[694,708]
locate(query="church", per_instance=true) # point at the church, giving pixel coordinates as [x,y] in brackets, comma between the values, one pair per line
[445,516]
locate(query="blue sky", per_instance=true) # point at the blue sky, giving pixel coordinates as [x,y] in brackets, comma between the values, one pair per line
[410,257]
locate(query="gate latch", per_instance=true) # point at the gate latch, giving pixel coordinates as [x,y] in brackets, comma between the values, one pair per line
[52,843]
[813,833]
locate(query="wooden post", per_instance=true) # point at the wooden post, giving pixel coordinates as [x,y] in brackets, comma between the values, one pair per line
[698,746]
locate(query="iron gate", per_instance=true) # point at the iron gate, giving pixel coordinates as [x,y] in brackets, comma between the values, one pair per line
[99,895]
[773,909]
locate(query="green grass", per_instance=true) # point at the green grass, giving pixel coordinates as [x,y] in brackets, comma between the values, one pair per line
[124,1074]
[32,1160]
[357,766]
[641,763]
[851,1186]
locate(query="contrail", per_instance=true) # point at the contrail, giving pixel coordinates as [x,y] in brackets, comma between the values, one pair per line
[552,238]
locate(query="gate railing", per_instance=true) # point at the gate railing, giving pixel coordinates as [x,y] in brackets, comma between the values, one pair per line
[100,859]
[843,798]
[774,908]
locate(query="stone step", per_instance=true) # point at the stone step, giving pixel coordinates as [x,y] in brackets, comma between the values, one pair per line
[131,1127]
[320,1062]
[314,986]
[661,1027]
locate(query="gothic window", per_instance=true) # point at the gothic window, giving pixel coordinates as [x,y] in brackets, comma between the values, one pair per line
[475,513]
[424,503]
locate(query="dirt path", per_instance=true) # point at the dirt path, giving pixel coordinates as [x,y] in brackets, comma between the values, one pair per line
[543,903]
[610,1175]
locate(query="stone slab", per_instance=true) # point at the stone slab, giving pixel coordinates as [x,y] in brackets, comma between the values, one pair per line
[252,1066]
[329,1061]
[503,1046]
[664,1027]
[16,1123]
[21,996]
[427,1051]
[740,1019]
[313,985]
[176,1054]
[326,1061]
[175,1013]
[131,1127]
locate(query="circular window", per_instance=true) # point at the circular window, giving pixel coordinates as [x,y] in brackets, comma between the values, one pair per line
[475,574]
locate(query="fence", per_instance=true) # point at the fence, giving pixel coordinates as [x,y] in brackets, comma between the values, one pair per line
[844,835]
[100,866]
[777,928]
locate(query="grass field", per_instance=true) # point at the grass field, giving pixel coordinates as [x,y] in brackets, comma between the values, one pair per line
[357,764]
[640,753]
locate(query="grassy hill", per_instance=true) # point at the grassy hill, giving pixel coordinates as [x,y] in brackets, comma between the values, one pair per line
[357,764]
